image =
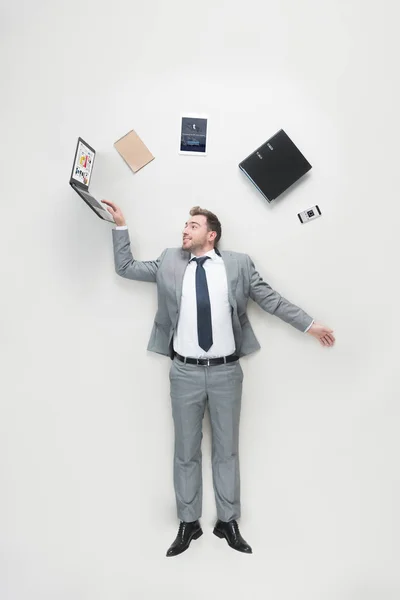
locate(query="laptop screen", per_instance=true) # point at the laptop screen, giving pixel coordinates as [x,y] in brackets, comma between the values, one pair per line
[83,163]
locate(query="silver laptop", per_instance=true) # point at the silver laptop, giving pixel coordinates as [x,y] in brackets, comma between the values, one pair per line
[80,179]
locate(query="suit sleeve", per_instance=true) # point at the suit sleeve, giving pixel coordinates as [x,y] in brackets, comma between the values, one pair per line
[275,304]
[126,266]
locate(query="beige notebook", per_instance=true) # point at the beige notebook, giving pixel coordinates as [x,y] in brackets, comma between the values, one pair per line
[134,152]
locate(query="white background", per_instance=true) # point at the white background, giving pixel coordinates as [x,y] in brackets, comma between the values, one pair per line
[87,508]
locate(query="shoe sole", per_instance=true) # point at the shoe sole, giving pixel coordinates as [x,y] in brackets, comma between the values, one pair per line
[219,534]
[196,535]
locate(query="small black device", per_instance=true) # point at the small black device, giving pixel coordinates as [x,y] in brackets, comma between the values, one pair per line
[80,179]
[275,165]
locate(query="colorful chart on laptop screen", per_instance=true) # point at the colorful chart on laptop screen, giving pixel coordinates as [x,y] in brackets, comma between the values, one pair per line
[83,165]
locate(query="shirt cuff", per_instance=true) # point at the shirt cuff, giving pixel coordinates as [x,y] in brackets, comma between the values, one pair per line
[312,323]
[121,227]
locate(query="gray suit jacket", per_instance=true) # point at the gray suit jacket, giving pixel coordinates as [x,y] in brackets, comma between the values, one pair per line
[243,283]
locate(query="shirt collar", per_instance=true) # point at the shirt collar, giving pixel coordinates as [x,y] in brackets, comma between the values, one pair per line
[212,254]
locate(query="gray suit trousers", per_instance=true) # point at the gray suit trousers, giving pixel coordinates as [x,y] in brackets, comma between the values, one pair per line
[192,388]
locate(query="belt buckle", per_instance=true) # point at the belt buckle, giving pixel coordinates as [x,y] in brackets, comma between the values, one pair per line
[205,362]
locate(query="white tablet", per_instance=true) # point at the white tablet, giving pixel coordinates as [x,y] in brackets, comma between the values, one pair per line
[193,135]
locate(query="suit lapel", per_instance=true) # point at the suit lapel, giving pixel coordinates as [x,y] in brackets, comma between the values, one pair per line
[232,271]
[180,268]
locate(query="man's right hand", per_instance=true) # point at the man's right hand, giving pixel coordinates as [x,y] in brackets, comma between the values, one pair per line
[116,212]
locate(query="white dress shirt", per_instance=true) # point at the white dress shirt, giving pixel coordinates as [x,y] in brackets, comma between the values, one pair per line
[185,337]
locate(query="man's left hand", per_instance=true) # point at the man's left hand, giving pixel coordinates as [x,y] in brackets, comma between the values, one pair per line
[322,333]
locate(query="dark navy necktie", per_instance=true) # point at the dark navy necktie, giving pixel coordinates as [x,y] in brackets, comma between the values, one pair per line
[204,327]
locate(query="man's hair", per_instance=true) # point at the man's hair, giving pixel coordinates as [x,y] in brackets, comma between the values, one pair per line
[213,223]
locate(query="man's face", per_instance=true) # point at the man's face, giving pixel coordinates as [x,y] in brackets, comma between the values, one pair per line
[196,235]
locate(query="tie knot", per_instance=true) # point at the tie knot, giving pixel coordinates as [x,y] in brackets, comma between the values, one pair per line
[200,260]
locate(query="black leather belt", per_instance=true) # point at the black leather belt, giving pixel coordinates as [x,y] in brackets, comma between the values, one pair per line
[207,362]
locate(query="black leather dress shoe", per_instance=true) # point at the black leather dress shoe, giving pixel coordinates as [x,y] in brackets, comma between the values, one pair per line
[186,533]
[230,531]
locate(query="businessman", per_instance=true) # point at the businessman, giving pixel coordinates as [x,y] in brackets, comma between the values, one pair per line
[202,325]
